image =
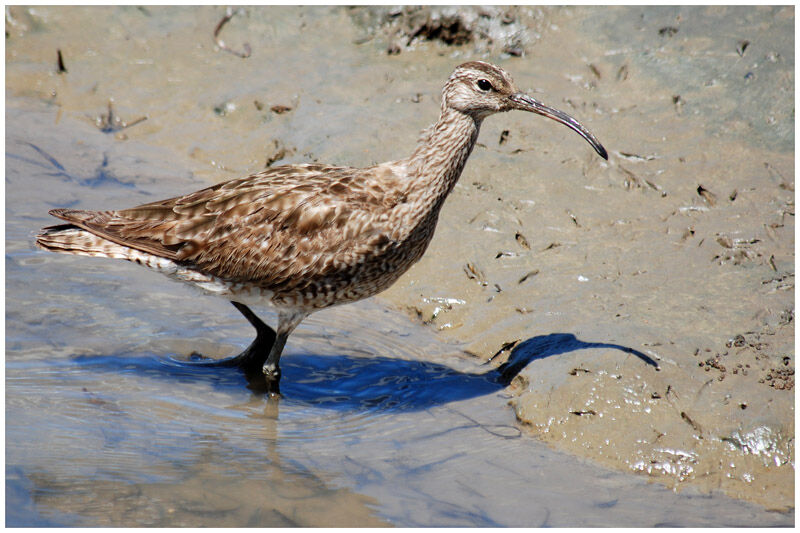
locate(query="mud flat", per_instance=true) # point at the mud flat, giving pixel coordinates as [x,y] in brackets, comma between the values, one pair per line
[681,246]
[653,295]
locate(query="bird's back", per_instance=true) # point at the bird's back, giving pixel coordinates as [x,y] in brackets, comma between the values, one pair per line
[309,231]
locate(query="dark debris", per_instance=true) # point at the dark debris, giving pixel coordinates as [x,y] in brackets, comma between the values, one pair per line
[487,29]
[245,53]
[111,123]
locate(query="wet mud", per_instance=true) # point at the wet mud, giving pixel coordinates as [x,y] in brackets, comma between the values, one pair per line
[681,246]
[641,308]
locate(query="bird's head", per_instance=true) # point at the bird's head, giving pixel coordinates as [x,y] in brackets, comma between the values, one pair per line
[480,89]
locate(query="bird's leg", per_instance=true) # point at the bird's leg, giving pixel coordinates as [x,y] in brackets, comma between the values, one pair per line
[260,360]
[286,324]
[252,359]
[254,356]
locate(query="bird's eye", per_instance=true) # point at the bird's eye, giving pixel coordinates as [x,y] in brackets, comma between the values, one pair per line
[484,85]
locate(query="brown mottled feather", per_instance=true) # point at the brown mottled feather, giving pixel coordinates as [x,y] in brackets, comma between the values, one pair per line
[295,219]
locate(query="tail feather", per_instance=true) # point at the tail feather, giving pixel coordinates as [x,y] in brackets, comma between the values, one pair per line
[147,236]
[70,239]
[77,216]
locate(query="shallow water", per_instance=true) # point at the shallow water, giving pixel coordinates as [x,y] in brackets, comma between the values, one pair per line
[380,423]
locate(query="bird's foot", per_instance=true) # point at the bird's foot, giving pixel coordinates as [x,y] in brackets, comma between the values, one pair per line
[272,378]
[245,360]
[198,359]
[272,389]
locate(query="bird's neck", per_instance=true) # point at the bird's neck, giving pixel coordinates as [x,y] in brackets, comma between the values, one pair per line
[440,156]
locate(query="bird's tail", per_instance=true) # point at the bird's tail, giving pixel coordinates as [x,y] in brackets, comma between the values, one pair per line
[70,239]
[73,239]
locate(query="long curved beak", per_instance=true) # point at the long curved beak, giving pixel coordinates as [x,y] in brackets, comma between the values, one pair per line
[524,102]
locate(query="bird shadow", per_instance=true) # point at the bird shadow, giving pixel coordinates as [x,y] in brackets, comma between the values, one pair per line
[555,344]
[344,382]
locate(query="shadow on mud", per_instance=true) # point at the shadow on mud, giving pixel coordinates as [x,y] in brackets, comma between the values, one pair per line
[555,344]
[349,383]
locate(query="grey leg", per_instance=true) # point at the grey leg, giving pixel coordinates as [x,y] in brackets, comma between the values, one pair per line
[286,324]
[252,359]
[260,361]
[255,354]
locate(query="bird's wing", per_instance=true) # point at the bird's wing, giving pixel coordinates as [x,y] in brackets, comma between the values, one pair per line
[268,227]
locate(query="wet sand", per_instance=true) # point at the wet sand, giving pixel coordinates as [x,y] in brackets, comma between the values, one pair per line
[681,246]
[678,252]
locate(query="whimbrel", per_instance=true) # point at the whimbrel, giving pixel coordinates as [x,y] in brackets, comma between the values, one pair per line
[301,238]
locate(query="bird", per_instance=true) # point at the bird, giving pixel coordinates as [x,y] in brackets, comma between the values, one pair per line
[303,237]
